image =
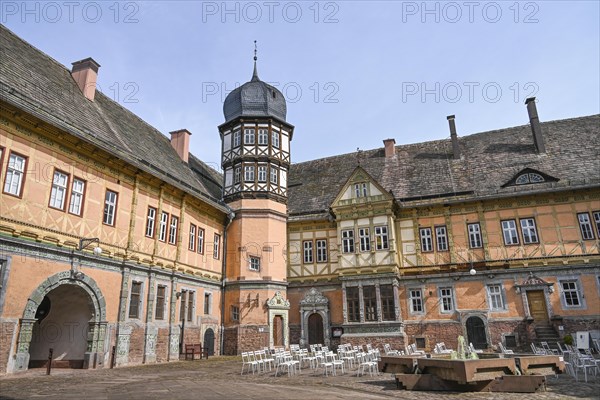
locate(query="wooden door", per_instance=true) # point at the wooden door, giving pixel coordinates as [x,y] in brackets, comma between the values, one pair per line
[476,332]
[315,329]
[537,305]
[278,331]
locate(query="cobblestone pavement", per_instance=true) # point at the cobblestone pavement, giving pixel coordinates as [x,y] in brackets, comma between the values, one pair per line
[219,378]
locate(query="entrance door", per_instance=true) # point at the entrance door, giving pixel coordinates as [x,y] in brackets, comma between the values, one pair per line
[476,332]
[278,330]
[537,305]
[315,329]
[209,342]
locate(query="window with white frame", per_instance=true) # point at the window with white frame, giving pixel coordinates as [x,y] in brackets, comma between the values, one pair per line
[364,237]
[426,240]
[200,246]
[77,196]
[235,313]
[110,208]
[529,231]
[150,221]
[381,237]
[446,299]
[159,312]
[597,221]
[496,297]
[237,174]
[348,241]
[173,229]
[321,250]
[162,227]
[274,175]
[135,300]
[249,173]
[475,240]
[58,193]
[441,237]
[587,233]
[275,139]
[509,232]
[360,189]
[237,138]
[570,293]
[307,251]
[262,173]
[192,238]
[416,300]
[216,246]
[263,136]
[254,263]
[15,174]
[249,136]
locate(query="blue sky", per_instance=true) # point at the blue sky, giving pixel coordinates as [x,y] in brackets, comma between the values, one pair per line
[354,72]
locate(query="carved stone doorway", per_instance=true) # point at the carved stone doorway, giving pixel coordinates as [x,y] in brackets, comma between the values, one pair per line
[314,311]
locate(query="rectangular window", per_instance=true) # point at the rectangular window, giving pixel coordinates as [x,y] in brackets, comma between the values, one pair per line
[192,238]
[416,300]
[475,241]
[509,232]
[150,221]
[15,175]
[254,264]
[77,195]
[216,246]
[360,190]
[237,138]
[263,136]
[426,240]
[307,252]
[173,229]
[597,221]
[365,239]
[207,301]
[110,207]
[381,238]
[570,293]
[248,136]
[352,302]
[529,231]
[135,299]
[237,174]
[190,307]
[586,226]
[275,139]
[235,313]
[200,240]
[441,238]
[321,250]
[496,297]
[249,173]
[58,193]
[160,302]
[446,299]
[182,305]
[274,175]
[262,173]
[348,241]
[388,306]
[162,227]
[370,301]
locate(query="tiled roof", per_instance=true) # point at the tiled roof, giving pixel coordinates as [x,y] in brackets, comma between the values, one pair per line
[426,172]
[41,86]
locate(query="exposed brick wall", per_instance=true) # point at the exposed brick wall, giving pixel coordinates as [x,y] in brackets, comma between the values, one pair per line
[230,342]
[519,328]
[396,342]
[574,325]
[251,339]
[295,333]
[162,345]
[7,331]
[136,344]
[434,332]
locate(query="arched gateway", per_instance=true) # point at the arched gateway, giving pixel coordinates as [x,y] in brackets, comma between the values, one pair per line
[72,320]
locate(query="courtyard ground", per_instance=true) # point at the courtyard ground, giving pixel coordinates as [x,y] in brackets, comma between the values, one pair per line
[219,378]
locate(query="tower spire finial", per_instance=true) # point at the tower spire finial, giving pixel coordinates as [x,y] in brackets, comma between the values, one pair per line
[255,73]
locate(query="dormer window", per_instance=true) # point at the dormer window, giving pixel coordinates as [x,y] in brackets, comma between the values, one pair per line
[530,177]
[361,189]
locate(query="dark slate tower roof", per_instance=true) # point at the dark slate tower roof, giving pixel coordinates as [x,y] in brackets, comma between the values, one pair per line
[255,99]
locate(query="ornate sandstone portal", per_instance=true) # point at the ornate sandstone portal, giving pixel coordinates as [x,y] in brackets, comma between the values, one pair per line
[535,293]
[96,331]
[314,303]
[278,307]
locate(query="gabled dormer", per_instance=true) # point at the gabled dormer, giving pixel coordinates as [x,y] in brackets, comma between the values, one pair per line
[529,176]
[360,188]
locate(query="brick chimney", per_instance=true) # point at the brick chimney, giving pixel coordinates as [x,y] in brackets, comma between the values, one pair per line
[536,128]
[390,149]
[454,137]
[85,74]
[180,140]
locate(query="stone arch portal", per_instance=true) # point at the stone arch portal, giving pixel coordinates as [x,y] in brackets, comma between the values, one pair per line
[94,354]
[314,303]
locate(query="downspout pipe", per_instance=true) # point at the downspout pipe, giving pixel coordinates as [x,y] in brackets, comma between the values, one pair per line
[230,218]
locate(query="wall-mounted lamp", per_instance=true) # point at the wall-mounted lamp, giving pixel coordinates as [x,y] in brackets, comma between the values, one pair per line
[85,242]
[472,271]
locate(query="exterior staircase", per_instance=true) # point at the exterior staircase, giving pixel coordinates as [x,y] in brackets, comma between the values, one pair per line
[546,333]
